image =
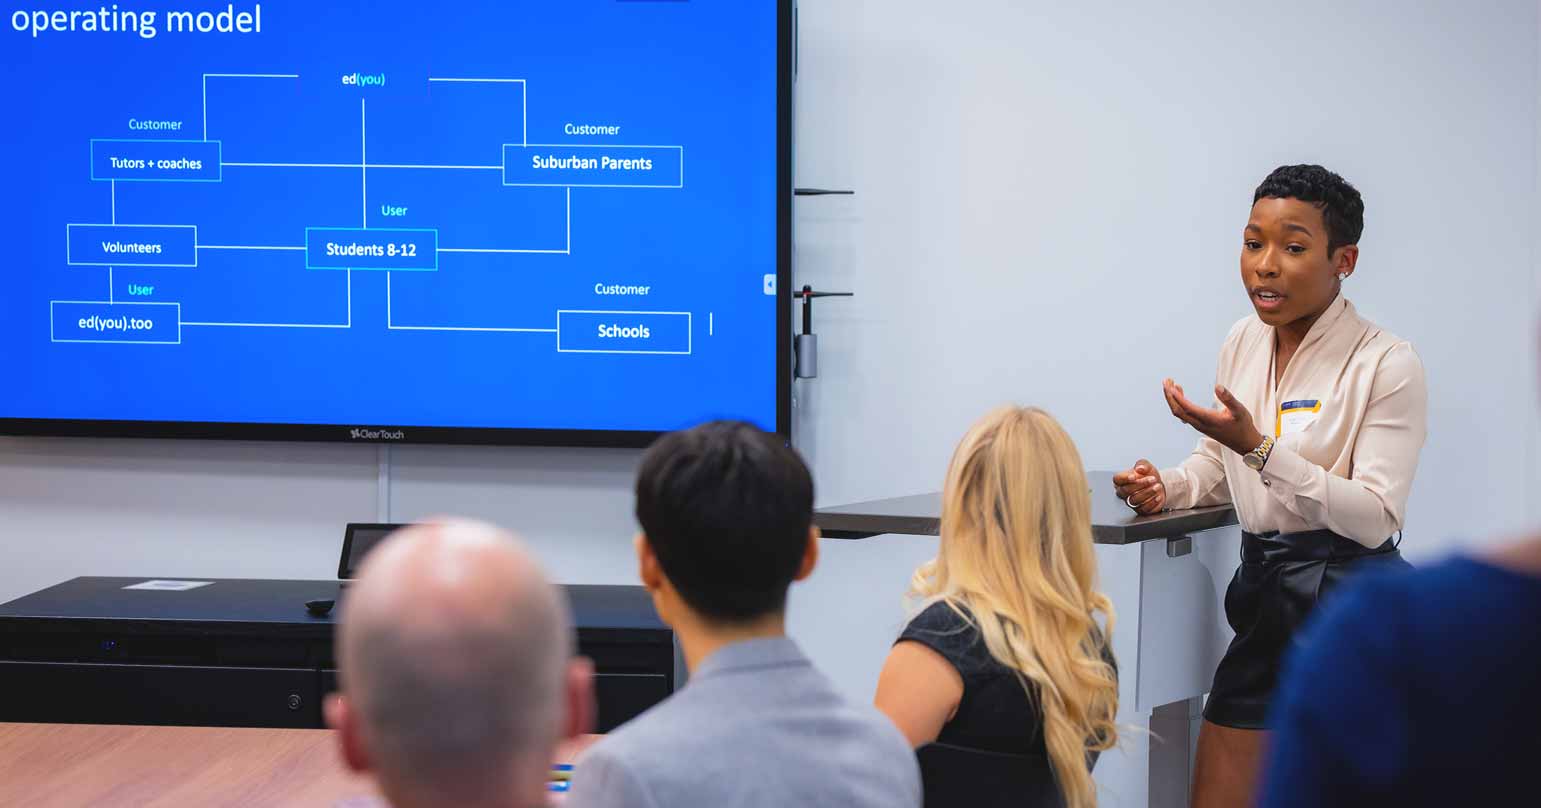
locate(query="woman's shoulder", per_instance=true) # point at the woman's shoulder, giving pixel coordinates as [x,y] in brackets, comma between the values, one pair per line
[949,630]
[1244,335]
[1399,365]
[1383,343]
[1393,358]
[944,618]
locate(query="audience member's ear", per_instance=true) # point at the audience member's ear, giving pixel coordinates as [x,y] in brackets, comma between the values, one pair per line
[647,564]
[339,716]
[579,697]
[810,554]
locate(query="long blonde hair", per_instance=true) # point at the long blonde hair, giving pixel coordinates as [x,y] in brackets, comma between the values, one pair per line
[1016,560]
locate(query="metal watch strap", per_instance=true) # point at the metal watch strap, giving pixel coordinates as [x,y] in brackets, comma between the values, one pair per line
[1263,451]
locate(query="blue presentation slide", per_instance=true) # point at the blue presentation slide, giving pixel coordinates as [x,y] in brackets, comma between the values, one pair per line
[511,214]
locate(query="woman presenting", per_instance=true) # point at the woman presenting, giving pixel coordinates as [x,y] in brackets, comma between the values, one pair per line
[1315,440]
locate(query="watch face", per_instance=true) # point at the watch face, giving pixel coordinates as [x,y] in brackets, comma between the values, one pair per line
[1253,461]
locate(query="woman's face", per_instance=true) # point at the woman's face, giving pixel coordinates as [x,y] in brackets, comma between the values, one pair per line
[1285,265]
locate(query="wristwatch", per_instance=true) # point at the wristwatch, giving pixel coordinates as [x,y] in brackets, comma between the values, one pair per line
[1257,458]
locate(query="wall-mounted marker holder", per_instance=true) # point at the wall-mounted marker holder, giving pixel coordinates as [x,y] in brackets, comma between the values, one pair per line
[807,343]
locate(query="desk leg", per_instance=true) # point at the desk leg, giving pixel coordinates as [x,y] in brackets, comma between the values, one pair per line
[1175,734]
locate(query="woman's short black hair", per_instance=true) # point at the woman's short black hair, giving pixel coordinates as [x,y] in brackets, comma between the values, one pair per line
[726,508]
[1340,203]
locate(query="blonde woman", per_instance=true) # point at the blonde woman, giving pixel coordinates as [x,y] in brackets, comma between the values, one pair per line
[1007,655]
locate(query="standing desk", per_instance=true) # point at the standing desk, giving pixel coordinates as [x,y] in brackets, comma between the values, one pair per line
[1169,634]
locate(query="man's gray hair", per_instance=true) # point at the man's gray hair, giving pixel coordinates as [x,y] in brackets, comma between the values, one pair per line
[455,659]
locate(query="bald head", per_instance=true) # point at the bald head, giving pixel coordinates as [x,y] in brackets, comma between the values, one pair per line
[453,650]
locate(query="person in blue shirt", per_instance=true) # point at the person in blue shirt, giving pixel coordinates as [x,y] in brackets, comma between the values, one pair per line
[1416,688]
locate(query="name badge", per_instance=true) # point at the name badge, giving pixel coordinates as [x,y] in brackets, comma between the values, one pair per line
[1295,416]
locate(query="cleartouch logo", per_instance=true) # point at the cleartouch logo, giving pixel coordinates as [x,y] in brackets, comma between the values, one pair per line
[359,433]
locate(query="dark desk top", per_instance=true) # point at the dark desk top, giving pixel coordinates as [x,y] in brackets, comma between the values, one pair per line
[1112,521]
[252,605]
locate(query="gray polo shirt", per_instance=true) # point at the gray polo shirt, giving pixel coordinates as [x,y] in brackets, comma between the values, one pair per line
[756,726]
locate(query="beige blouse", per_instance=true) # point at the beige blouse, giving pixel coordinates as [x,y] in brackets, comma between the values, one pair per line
[1349,416]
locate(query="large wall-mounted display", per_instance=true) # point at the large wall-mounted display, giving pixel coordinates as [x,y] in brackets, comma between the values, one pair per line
[546,221]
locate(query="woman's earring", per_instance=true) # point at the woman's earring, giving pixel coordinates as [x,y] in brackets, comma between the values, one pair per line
[1342,276]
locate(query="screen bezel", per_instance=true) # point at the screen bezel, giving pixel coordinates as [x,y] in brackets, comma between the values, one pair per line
[500,436]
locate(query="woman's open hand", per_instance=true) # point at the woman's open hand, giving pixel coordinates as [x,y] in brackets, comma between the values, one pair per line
[1231,425]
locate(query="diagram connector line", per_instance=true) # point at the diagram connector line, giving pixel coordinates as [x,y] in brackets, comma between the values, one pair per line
[207,76]
[363,137]
[496,251]
[566,250]
[363,158]
[524,98]
[270,325]
[390,324]
[245,247]
[410,166]
[348,324]
[465,328]
[110,283]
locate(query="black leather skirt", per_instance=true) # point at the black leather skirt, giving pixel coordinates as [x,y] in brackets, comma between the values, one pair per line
[1282,578]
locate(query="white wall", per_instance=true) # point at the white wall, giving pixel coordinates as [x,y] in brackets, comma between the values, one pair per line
[1049,206]
[1049,198]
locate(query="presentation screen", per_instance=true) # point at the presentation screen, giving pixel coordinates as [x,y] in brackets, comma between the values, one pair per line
[559,222]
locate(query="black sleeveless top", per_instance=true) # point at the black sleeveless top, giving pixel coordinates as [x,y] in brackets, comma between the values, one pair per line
[995,713]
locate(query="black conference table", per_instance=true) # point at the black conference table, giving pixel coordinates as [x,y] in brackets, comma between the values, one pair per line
[247,653]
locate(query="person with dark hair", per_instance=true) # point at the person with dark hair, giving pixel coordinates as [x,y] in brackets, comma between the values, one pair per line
[727,525]
[1315,439]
